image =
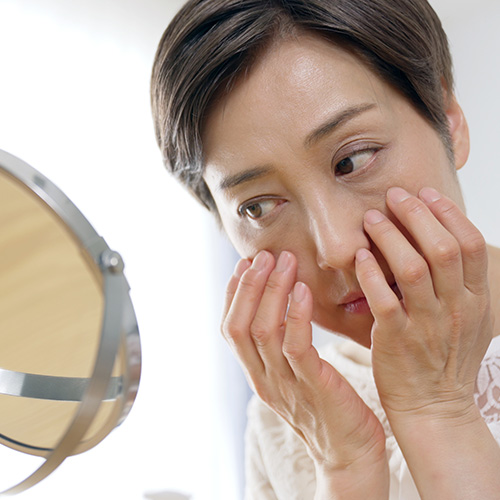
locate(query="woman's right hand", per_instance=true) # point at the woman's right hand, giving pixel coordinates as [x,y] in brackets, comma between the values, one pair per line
[274,346]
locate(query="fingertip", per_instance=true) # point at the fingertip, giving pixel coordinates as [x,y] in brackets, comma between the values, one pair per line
[299,292]
[232,286]
[298,334]
[373,217]
[429,195]
[264,260]
[363,254]
[368,270]
[397,194]
[241,267]
[301,304]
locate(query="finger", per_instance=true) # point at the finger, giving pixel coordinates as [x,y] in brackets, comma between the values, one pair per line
[297,343]
[268,326]
[232,286]
[383,301]
[246,299]
[408,266]
[471,241]
[439,246]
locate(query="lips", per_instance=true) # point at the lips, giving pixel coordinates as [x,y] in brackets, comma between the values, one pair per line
[356,303]
[352,297]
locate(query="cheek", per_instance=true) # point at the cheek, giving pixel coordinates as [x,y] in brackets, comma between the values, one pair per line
[301,232]
[247,241]
[246,248]
[241,239]
[420,159]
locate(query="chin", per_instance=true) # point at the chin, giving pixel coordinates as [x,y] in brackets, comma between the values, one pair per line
[357,329]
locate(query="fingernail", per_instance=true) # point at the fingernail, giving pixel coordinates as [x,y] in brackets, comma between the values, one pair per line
[374,217]
[241,267]
[299,291]
[429,195]
[397,195]
[283,261]
[362,254]
[260,261]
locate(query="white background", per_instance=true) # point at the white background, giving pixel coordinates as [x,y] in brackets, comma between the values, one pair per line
[74,103]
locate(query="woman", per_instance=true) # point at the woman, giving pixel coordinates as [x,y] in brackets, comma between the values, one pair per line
[325,137]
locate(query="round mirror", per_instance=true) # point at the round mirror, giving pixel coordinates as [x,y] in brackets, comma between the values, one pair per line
[69,344]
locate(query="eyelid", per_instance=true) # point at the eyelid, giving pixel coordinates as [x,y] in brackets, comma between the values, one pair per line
[352,150]
[255,201]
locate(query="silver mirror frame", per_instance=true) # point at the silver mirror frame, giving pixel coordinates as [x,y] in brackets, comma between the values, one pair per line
[119,333]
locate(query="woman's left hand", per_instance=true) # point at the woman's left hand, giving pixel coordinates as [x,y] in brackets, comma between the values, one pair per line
[428,346]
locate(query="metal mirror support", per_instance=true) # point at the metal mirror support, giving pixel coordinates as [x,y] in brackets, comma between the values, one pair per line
[70,357]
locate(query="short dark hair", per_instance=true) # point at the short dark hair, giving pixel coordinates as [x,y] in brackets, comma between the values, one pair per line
[209,43]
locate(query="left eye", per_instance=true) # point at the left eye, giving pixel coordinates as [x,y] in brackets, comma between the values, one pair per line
[257,209]
[354,162]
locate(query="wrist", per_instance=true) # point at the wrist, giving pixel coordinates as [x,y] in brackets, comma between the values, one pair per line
[366,478]
[444,415]
[450,456]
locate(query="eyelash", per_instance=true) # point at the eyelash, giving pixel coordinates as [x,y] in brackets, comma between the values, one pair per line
[353,154]
[257,201]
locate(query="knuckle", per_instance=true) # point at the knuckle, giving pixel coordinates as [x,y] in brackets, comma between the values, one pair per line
[384,228]
[388,307]
[293,351]
[293,316]
[414,206]
[369,274]
[448,208]
[474,245]
[415,272]
[447,252]
[260,333]
[231,330]
[273,285]
[249,281]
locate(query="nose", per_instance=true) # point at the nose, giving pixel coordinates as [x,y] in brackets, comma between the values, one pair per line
[336,230]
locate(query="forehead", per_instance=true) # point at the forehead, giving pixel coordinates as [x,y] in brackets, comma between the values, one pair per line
[294,85]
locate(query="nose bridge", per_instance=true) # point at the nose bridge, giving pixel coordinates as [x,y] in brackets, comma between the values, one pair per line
[336,231]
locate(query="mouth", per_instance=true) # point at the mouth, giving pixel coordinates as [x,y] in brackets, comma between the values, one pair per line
[356,303]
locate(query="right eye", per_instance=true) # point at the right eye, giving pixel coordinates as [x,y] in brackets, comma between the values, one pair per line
[256,209]
[355,161]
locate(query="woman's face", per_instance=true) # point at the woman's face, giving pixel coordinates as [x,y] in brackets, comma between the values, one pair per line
[300,149]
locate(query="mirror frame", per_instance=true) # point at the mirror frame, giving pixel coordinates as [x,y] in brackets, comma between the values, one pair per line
[119,334]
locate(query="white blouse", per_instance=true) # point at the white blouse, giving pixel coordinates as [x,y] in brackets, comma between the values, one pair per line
[278,466]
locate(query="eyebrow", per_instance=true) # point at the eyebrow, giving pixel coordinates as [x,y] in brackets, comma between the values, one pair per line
[337,120]
[232,181]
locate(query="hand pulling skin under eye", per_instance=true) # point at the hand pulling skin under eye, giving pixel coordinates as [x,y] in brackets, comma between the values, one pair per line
[358,135]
